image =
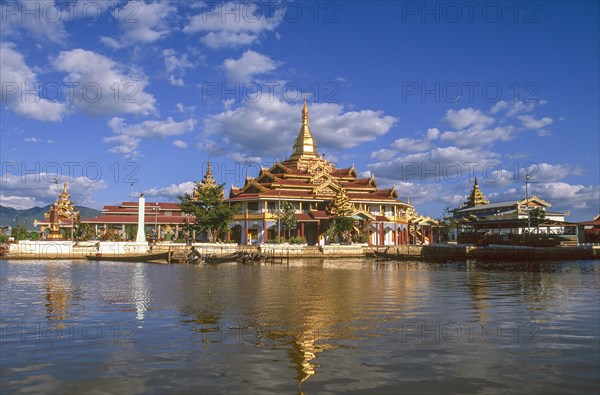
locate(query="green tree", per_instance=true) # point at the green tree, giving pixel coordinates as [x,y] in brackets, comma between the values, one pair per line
[19,232]
[84,232]
[535,215]
[66,233]
[289,220]
[340,227]
[212,214]
[110,235]
[344,225]
[132,232]
[447,223]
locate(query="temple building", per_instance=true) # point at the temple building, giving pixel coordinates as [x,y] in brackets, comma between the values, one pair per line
[319,192]
[162,220]
[506,217]
[61,215]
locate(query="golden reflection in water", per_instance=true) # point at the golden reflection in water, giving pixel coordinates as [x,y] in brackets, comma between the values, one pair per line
[479,291]
[57,295]
[309,304]
[306,308]
[304,350]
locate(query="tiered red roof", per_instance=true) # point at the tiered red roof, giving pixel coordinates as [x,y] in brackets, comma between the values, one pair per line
[127,213]
[301,179]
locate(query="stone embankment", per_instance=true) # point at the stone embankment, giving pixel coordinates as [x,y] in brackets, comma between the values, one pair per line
[44,250]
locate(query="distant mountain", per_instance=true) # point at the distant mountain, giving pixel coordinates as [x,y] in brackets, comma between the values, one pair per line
[12,217]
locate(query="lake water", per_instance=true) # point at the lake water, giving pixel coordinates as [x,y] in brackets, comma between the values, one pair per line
[337,326]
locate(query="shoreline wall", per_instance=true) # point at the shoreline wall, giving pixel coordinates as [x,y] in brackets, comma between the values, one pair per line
[441,253]
[40,250]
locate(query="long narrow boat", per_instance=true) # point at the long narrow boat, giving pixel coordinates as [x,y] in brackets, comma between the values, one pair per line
[159,256]
[386,256]
[221,259]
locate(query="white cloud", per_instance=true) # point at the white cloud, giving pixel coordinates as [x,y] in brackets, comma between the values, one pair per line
[129,137]
[244,158]
[183,109]
[176,81]
[439,164]
[250,64]
[41,19]
[512,108]
[39,189]
[539,173]
[103,85]
[269,127]
[20,202]
[227,39]
[563,196]
[417,145]
[141,22]
[473,129]
[176,66]
[172,191]
[111,42]
[466,117]
[477,136]
[545,172]
[180,144]
[15,78]
[417,192]
[530,122]
[233,24]
[383,154]
[35,140]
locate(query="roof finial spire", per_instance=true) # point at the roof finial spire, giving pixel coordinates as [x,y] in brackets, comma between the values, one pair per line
[305,112]
[305,145]
[476,197]
[208,179]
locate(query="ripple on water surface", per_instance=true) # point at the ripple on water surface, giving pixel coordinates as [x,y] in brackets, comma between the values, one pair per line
[316,326]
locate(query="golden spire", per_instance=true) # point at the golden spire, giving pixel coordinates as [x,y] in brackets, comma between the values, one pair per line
[476,198]
[208,179]
[61,211]
[305,144]
[66,208]
[305,113]
[340,205]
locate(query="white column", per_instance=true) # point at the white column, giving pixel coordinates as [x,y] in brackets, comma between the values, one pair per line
[141,235]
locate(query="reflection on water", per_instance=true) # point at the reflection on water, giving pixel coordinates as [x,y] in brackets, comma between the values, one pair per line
[57,296]
[307,326]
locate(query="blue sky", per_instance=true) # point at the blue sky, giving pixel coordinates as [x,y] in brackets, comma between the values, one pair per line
[426,95]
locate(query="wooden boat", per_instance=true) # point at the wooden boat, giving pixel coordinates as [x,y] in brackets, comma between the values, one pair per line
[159,256]
[211,259]
[386,256]
[246,257]
[396,256]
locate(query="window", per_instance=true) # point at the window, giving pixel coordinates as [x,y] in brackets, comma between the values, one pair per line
[253,208]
